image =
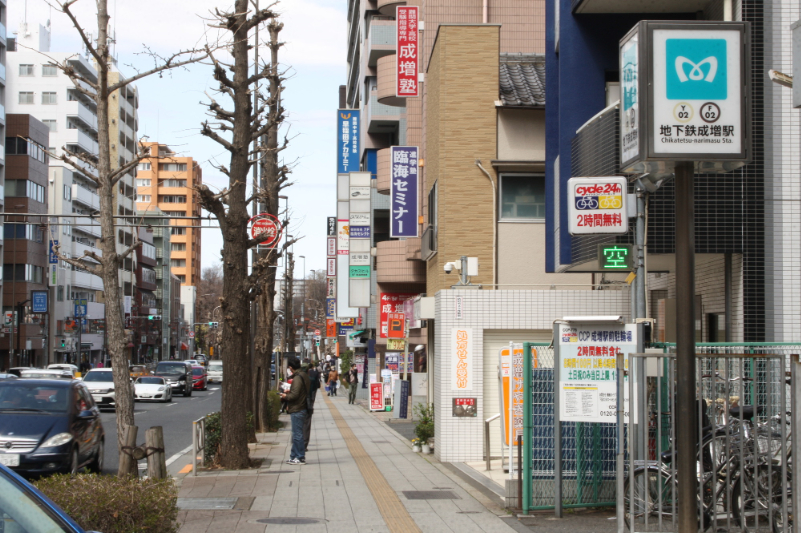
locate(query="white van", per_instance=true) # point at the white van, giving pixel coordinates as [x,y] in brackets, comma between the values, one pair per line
[215,371]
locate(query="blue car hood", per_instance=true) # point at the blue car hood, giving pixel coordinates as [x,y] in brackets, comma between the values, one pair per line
[36,426]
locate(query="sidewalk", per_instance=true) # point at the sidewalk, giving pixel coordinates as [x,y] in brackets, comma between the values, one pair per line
[360,476]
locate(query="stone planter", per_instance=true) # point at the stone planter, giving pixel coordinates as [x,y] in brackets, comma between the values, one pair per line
[416,448]
[426,449]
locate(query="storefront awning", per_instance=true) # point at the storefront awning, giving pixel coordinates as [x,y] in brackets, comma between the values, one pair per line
[355,333]
[184,346]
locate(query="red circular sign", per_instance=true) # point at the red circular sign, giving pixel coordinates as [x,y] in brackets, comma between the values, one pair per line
[317,332]
[265,224]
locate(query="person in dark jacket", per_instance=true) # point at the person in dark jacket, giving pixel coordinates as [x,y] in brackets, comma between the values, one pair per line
[314,384]
[353,383]
[297,406]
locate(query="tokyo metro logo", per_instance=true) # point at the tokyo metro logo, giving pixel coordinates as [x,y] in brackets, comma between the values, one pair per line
[696,69]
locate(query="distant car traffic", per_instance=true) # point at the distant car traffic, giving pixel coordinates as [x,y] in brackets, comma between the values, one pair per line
[202,359]
[178,374]
[215,371]
[101,384]
[24,508]
[137,370]
[152,388]
[17,370]
[63,366]
[49,426]
[7,376]
[36,373]
[199,381]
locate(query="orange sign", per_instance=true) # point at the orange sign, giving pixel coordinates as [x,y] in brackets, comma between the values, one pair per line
[512,390]
[396,325]
[330,328]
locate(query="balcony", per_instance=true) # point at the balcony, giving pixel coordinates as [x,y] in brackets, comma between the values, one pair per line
[79,248]
[82,115]
[387,7]
[382,119]
[85,196]
[381,41]
[82,140]
[392,266]
[89,227]
[86,280]
[635,6]
[2,74]
[3,33]
[383,173]
[387,80]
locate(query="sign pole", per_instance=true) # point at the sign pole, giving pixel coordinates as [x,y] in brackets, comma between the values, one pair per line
[685,346]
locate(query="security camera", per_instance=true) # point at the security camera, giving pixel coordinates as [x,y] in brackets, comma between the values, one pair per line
[448,268]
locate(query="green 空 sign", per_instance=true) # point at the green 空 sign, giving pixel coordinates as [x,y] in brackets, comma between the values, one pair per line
[360,272]
[616,257]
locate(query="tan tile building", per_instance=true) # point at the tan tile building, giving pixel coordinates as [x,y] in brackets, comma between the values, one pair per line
[166,181]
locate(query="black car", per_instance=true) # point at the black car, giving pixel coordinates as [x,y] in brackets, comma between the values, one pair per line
[49,426]
[178,374]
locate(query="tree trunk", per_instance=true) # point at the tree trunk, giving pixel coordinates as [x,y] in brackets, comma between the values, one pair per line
[290,309]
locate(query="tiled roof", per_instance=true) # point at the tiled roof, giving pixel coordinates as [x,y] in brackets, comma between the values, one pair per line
[522,80]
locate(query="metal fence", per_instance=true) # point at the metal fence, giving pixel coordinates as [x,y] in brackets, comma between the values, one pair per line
[744,439]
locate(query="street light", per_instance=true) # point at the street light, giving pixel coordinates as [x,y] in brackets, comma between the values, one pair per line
[303,312]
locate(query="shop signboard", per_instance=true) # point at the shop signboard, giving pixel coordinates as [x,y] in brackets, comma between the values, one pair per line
[331,269]
[511,362]
[331,246]
[406,18]
[348,124]
[330,328]
[390,302]
[331,227]
[403,192]
[597,205]
[376,396]
[461,367]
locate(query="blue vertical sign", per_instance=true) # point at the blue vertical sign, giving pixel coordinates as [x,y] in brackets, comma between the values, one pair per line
[80,308]
[348,140]
[403,192]
[53,254]
[39,301]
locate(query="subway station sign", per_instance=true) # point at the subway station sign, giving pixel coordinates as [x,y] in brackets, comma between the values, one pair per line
[684,88]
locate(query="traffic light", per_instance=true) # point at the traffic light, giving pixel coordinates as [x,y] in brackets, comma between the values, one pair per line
[214,325]
[63,343]
[154,317]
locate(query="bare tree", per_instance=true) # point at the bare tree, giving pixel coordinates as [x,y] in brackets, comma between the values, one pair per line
[106,176]
[236,129]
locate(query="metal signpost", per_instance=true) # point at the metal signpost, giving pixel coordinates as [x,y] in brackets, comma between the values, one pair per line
[685,107]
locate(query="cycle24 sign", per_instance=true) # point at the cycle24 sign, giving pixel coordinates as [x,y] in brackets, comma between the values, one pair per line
[597,205]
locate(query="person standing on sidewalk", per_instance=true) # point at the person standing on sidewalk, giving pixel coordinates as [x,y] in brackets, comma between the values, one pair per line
[297,406]
[353,383]
[314,384]
[333,377]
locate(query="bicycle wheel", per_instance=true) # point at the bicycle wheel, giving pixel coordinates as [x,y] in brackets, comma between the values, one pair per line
[654,495]
[756,498]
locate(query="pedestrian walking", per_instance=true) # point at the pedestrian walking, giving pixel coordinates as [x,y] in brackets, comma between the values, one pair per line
[314,384]
[333,377]
[297,406]
[353,382]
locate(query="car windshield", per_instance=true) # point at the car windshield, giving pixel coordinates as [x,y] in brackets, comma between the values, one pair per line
[197,371]
[215,366]
[45,375]
[150,381]
[20,395]
[21,512]
[99,376]
[138,369]
[171,369]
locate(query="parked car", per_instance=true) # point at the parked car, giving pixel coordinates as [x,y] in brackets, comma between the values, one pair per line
[49,426]
[136,371]
[192,361]
[17,370]
[101,384]
[215,371]
[24,508]
[178,374]
[63,366]
[36,373]
[152,388]
[199,381]
[7,376]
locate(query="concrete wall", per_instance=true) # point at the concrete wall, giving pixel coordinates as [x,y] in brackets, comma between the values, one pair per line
[521,134]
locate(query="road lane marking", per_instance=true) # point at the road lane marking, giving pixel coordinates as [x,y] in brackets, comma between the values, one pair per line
[178,455]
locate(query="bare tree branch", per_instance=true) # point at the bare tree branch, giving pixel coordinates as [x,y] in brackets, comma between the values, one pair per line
[167,64]
[65,8]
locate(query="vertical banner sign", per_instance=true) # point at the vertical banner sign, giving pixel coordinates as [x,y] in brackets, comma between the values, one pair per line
[332,267]
[53,254]
[360,264]
[586,366]
[376,396]
[331,227]
[331,244]
[461,359]
[403,192]
[406,45]
[511,362]
[390,303]
[330,328]
[629,105]
[39,301]
[348,140]
[597,205]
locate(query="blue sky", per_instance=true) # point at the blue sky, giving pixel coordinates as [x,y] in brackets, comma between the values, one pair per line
[170,111]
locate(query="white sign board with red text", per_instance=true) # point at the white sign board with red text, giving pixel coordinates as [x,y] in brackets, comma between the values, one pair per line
[597,205]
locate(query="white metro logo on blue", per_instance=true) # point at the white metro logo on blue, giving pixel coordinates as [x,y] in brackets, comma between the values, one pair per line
[696,69]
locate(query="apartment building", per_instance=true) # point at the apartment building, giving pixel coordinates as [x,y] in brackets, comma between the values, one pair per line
[166,181]
[145,322]
[25,258]
[479,123]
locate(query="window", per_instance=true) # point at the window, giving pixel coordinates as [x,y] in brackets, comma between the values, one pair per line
[26,70]
[143,198]
[49,98]
[148,250]
[178,246]
[173,183]
[173,167]
[181,278]
[172,199]
[31,273]
[26,97]
[149,275]
[179,263]
[18,146]
[23,231]
[432,205]
[522,197]
[143,166]
[25,189]
[49,70]
[67,192]
[143,183]
[178,231]
[60,293]
[52,124]
[175,213]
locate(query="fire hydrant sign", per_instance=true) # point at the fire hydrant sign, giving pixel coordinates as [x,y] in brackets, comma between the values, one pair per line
[684,87]
[587,369]
[597,205]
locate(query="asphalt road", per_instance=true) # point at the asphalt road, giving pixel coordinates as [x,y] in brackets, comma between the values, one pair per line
[175,418]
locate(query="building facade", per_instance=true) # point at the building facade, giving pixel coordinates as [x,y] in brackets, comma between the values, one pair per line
[145,322]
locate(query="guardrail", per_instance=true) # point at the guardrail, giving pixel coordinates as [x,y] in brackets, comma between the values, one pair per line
[487,453]
[198,443]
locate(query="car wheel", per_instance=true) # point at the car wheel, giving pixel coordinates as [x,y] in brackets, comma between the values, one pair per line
[96,465]
[74,465]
